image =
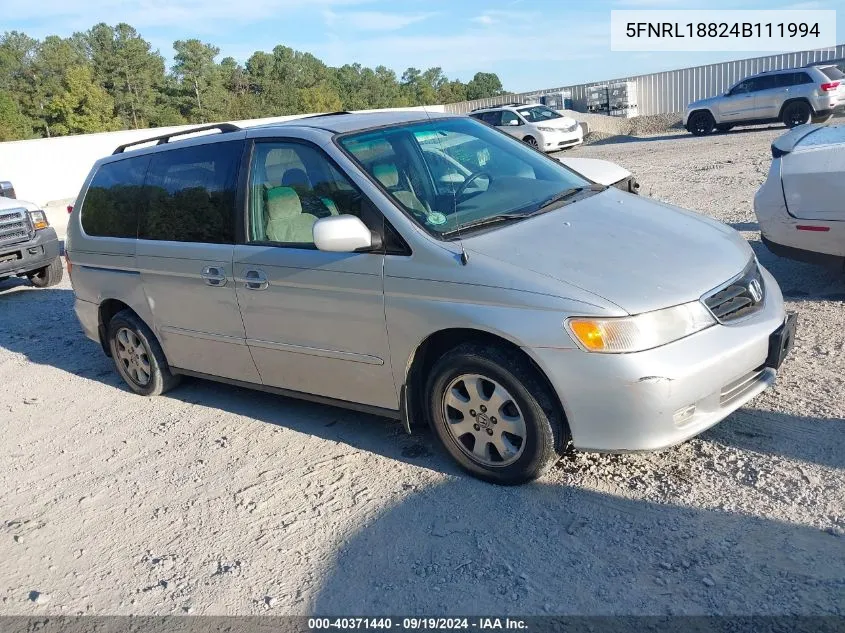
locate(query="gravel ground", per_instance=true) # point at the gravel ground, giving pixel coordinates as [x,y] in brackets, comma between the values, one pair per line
[218,500]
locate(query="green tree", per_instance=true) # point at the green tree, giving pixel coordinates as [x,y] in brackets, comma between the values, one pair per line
[196,71]
[127,67]
[82,106]
[484,85]
[13,124]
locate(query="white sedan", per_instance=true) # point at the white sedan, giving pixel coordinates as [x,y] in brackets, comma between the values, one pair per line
[801,206]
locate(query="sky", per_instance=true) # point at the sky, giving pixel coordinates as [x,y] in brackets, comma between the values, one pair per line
[530,44]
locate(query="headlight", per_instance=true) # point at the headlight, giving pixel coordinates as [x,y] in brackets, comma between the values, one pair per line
[39,220]
[546,129]
[640,332]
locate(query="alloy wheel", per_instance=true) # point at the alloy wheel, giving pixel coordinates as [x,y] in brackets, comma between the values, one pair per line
[133,357]
[484,420]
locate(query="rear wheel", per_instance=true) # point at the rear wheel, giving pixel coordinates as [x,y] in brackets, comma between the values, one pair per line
[796,113]
[137,355]
[700,123]
[531,141]
[494,415]
[47,276]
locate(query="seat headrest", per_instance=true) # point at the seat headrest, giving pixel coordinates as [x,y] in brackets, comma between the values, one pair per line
[295,177]
[274,173]
[387,174]
[283,202]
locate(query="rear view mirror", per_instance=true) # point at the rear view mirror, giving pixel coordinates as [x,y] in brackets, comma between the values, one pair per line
[342,234]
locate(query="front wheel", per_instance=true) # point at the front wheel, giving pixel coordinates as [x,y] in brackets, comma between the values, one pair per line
[530,140]
[796,113]
[137,355]
[47,276]
[494,415]
[700,123]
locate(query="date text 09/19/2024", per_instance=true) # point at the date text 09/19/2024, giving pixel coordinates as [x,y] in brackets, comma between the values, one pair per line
[721,29]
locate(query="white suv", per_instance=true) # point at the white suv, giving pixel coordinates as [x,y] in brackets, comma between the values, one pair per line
[537,125]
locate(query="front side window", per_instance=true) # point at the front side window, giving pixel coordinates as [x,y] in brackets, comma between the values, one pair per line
[538,114]
[292,185]
[454,173]
[114,198]
[191,194]
[509,118]
[741,88]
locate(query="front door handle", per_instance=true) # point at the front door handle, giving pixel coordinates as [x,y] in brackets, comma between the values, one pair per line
[214,276]
[255,279]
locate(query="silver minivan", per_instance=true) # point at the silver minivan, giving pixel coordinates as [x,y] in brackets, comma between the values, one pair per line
[428,268]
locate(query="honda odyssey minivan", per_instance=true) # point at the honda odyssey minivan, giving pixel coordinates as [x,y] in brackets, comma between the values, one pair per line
[427,268]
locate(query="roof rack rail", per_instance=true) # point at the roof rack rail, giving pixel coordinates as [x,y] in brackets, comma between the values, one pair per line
[165,138]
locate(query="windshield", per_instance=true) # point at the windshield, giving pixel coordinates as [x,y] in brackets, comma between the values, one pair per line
[537,114]
[452,173]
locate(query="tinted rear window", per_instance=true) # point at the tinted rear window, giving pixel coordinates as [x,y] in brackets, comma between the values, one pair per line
[192,194]
[115,198]
[833,73]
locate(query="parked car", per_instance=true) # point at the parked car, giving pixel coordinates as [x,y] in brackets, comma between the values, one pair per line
[513,309]
[29,246]
[799,206]
[794,96]
[535,124]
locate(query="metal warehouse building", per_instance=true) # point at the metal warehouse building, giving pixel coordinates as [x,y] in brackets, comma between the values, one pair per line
[672,90]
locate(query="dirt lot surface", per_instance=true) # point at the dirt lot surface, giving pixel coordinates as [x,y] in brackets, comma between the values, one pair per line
[218,500]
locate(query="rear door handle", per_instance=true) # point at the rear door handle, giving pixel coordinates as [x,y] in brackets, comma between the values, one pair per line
[214,276]
[254,279]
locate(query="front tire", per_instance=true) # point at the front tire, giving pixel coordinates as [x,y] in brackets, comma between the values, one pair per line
[796,113]
[48,276]
[530,140]
[700,123]
[494,415]
[138,357]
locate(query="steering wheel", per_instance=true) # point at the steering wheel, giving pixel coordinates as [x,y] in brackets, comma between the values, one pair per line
[471,178]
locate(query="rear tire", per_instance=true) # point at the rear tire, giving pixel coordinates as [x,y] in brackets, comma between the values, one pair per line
[48,276]
[796,113]
[494,415]
[700,123]
[138,357]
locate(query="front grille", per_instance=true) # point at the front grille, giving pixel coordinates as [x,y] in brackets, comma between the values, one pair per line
[14,227]
[740,387]
[740,297]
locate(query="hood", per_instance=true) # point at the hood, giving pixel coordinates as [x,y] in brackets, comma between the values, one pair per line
[601,171]
[564,122]
[14,203]
[703,103]
[638,253]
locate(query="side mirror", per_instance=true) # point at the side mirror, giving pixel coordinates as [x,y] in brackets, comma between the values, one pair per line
[6,189]
[513,122]
[343,234]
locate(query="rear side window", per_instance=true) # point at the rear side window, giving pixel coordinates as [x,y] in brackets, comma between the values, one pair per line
[191,194]
[794,79]
[115,198]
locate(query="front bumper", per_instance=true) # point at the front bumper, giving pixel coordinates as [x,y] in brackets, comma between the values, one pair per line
[27,257]
[628,402]
[553,141]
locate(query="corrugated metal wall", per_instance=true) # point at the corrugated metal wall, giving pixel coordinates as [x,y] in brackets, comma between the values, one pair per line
[672,90]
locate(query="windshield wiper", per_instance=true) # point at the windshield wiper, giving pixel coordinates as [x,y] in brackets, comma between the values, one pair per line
[500,218]
[564,195]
